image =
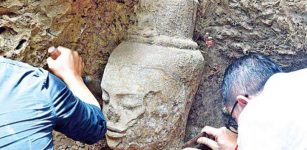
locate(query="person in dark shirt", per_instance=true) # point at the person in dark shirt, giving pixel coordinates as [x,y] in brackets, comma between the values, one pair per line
[34,102]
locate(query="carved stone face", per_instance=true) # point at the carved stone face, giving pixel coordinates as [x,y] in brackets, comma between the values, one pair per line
[129,89]
[126,100]
[147,94]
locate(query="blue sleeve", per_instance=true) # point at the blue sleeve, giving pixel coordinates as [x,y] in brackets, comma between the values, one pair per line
[75,118]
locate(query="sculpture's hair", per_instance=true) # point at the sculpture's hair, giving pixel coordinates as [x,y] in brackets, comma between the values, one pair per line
[247,76]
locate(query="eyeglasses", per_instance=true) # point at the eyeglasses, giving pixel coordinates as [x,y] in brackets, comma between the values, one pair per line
[231,123]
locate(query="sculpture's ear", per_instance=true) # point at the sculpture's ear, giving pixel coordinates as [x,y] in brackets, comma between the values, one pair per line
[105,96]
[242,100]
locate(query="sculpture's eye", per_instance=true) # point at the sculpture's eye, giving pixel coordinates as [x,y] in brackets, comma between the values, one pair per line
[130,101]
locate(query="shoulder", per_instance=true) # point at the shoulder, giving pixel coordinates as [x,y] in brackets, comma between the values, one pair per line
[18,69]
[10,62]
[14,66]
[286,80]
[27,76]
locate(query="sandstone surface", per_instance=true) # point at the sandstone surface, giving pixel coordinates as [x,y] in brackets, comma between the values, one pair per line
[95,27]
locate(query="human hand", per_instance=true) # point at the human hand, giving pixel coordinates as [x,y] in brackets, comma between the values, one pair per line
[224,139]
[68,65]
[65,63]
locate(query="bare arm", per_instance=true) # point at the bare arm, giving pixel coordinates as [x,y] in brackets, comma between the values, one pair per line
[68,66]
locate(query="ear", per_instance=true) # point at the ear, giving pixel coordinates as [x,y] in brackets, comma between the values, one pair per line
[242,100]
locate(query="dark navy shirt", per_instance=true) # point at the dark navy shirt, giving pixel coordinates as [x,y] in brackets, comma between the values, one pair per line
[33,102]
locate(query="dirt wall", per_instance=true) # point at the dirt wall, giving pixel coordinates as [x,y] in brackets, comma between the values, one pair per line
[276,28]
[95,27]
[92,27]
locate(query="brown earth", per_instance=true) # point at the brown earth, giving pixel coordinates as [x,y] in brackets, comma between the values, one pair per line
[95,27]
[276,28]
[92,27]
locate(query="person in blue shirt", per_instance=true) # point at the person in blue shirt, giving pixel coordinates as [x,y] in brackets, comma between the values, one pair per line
[34,102]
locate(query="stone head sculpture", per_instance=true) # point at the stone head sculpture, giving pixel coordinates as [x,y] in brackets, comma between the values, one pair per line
[150,80]
[147,95]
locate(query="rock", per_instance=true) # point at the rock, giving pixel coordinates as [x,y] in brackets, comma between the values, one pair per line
[167,23]
[150,80]
[93,28]
[270,27]
[151,89]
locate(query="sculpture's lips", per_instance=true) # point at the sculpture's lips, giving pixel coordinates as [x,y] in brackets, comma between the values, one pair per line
[115,135]
[115,129]
[115,132]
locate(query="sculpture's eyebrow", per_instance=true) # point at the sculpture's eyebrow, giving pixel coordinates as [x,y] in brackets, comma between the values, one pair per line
[130,100]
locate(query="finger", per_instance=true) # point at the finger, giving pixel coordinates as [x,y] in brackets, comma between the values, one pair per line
[211,131]
[64,49]
[76,56]
[212,144]
[51,49]
[50,62]
[224,129]
[54,53]
[75,53]
[83,64]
